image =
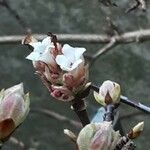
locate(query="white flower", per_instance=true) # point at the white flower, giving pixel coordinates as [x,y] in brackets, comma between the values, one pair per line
[41,50]
[71,57]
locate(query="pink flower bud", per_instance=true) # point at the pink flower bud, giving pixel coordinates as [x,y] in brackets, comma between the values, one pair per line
[14,108]
[61,93]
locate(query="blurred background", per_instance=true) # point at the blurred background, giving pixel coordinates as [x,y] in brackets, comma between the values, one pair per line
[127,64]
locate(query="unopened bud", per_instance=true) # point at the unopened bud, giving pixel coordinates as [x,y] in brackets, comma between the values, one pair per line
[136,131]
[70,134]
[98,136]
[109,93]
[14,107]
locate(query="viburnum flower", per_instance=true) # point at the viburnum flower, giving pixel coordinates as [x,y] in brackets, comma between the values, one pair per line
[41,50]
[98,136]
[61,68]
[71,57]
[14,107]
[109,93]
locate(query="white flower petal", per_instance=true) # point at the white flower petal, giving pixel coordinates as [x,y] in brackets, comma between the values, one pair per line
[46,57]
[63,62]
[35,44]
[72,57]
[75,65]
[34,56]
[38,47]
[46,41]
[69,52]
[79,52]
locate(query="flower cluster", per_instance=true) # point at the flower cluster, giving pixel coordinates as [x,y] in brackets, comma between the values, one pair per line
[14,107]
[62,68]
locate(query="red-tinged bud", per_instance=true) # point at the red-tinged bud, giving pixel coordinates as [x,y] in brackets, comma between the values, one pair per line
[62,93]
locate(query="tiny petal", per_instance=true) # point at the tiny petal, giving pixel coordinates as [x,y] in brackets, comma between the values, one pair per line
[37,46]
[76,64]
[79,52]
[71,57]
[34,56]
[46,41]
[69,52]
[63,62]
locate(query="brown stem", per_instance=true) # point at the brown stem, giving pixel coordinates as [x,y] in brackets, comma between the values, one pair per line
[79,108]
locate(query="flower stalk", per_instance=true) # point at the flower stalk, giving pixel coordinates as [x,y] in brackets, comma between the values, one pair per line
[109,115]
[79,107]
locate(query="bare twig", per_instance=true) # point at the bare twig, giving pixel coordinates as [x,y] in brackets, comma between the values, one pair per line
[127,101]
[134,104]
[141,4]
[104,49]
[15,14]
[107,3]
[56,116]
[112,28]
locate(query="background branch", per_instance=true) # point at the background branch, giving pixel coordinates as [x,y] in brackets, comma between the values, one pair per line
[103,50]
[141,4]
[56,116]
[125,38]
[15,141]
[15,14]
